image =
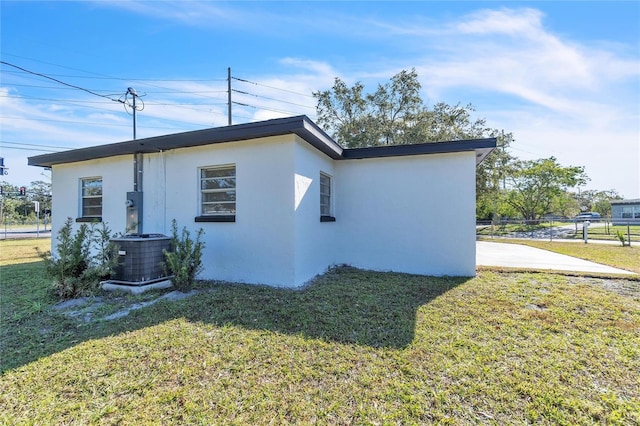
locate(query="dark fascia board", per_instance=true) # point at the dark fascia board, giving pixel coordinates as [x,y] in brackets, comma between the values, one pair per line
[482,148]
[625,202]
[299,125]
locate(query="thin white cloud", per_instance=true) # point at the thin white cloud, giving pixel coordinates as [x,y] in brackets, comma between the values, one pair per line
[523,22]
[187,12]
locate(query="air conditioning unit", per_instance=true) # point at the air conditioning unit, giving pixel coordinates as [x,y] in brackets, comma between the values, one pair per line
[140,259]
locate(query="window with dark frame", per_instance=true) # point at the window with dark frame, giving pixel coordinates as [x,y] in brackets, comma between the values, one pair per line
[91,197]
[218,191]
[325,198]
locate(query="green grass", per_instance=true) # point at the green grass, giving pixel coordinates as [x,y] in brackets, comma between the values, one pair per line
[613,255]
[609,233]
[355,347]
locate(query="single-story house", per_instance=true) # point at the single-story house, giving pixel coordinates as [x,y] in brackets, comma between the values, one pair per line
[625,212]
[280,201]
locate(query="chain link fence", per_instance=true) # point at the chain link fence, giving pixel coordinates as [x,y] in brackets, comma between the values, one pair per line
[11,228]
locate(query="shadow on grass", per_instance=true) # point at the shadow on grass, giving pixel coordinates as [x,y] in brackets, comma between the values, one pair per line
[345,305]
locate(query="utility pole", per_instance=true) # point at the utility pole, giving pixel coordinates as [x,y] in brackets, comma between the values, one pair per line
[131,91]
[229,93]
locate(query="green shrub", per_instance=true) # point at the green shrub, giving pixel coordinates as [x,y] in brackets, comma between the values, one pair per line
[620,236]
[81,259]
[184,261]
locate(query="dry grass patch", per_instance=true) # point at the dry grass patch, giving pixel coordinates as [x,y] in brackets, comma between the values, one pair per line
[13,252]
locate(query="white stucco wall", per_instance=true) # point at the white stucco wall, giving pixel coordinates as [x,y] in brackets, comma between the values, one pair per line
[314,240]
[117,179]
[259,246]
[411,214]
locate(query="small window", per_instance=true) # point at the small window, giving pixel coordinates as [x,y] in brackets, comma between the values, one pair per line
[325,198]
[91,189]
[218,191]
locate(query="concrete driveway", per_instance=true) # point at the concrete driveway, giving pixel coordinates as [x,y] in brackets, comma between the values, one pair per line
[519,256]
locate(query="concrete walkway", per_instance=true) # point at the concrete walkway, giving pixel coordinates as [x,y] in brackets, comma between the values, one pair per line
[519,256]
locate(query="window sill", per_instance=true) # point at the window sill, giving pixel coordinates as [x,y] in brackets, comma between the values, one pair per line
[220,218]
[88,219]
[327,219]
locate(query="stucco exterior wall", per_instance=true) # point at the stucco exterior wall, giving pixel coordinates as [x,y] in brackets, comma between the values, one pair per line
[314,240]
[117,179]
[412,214]
[259,246]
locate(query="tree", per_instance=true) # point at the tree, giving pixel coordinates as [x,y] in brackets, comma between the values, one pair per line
[597,201]
[394,114]
[17,208]
[342,112]
[566,205]
[536,185]
[40,191]
[491,177]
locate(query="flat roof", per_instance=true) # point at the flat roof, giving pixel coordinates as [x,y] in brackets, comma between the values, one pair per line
[623,202]
[299,125]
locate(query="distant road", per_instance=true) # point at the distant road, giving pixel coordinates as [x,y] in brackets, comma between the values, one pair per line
[24,234]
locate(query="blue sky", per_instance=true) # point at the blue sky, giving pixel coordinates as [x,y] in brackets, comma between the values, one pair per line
[564,77]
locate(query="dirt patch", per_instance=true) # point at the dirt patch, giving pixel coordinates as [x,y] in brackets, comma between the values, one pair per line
[623,287]
[89,309]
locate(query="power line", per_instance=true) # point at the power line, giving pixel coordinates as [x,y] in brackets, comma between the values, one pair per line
[33,144]
[102,76]
[49,87]
[271,87]
[281,111]
[89,123]
[54,100]
[272,99]
[167,91]
[81,102]
[59,81]
[170,91]
[29,149]
[64,121]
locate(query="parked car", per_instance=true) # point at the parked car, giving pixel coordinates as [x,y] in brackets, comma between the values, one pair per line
[590,216]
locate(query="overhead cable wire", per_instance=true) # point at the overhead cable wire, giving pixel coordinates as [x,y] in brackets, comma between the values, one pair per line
[169,90]
[100,76]
[29,149]
[176,91]
[73,101]
[273,99]
[59,81]
[48,87]
[76,102]
[89,123]
[281,111]
[33,144]
[271,87]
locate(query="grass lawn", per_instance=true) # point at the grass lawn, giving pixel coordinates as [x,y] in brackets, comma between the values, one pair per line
[613,255]
[355,347]
[601,233]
